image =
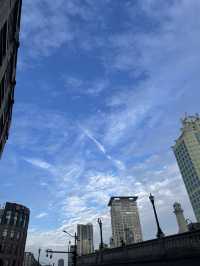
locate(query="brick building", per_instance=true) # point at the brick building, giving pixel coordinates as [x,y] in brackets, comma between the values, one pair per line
[14,219]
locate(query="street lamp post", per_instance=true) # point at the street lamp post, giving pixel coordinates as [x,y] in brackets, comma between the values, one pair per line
[39,251]
[75,245]
[160,233]
[50,252]
[101,234]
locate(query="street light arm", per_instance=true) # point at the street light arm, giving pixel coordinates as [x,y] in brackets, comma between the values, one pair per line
[64,231]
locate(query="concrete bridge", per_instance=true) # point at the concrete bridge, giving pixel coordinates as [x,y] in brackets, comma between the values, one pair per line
[175,250]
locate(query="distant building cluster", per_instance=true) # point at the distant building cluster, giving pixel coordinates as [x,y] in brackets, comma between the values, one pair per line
[14,219]
[10,14]
[125,223]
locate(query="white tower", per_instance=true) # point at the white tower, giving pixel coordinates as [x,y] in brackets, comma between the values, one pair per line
[182,225]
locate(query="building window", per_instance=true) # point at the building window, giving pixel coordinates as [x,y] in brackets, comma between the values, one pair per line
[16,250]
[15,218]
[6,262]
[12,233]
[4,233]
[18,235]
[11,248]
[2,248]
[3,41]
[8,217]
[2,90]
[21,220]
[24,223]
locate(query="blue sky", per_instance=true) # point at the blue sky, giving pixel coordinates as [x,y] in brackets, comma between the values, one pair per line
[101,88]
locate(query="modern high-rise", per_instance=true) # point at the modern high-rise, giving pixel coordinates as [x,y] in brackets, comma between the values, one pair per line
[14,219]
[125,221]
[85,239]
[187,153]
[10,14]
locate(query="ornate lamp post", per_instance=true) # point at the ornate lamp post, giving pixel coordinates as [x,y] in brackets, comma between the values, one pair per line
[101,234]
[160,233]
[39,251]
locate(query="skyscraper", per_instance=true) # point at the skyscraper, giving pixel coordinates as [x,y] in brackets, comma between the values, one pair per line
[10,14]
[85,239]
[125,221]
[187,153]
[178,211]
[14,219]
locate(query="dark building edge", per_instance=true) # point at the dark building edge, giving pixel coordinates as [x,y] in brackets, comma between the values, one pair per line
[10,20]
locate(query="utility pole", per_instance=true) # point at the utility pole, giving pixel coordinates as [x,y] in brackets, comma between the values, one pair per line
[39,251]
[160,233]
[75,246]
[50,252]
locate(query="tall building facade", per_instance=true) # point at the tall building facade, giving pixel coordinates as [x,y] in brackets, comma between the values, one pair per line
[14,219]
[85,243]
[10,14]
[125,221]
[187,153]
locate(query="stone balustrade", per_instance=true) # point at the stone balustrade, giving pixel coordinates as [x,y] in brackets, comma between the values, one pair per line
[179,248]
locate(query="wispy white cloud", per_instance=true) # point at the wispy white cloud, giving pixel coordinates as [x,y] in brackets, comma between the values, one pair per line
[51,25]
[98,144]
[41,215]
[38,163]
[119,164]
[76,86]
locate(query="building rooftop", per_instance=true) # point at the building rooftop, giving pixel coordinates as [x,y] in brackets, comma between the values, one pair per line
[13,205]
[190,118]
[189,122]
[131,198]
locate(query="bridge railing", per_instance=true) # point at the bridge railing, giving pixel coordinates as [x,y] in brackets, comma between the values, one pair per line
[174,245]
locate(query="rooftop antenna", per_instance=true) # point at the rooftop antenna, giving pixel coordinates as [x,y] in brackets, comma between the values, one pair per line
[183,118]
[186,115]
